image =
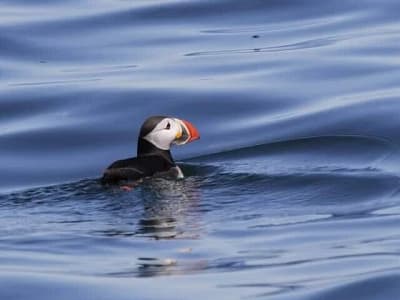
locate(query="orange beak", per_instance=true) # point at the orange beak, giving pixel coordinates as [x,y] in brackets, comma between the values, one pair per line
[193,132]
[188,134]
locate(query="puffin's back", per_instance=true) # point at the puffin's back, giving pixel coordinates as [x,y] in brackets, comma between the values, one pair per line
[133,169]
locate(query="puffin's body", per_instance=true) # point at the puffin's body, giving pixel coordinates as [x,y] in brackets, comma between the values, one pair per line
[156,136]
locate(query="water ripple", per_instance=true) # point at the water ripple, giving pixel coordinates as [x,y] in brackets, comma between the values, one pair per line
[292,192]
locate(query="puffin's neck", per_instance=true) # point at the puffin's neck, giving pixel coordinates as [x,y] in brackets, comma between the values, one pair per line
[146,148]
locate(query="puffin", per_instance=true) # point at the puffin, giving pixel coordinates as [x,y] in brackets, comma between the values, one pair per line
[156,136]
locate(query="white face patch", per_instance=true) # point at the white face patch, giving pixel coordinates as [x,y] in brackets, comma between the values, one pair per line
[164,134]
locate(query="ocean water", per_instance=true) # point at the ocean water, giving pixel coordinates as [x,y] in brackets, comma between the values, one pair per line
[291,193]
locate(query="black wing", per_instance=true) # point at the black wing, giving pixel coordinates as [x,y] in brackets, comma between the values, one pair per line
[132,169]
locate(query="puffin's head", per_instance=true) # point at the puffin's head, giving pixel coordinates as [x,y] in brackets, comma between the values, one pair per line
[162,132]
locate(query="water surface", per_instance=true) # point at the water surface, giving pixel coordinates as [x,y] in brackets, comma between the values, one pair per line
[291,193]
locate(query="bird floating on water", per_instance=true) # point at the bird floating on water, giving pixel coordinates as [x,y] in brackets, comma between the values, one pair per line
[156,136]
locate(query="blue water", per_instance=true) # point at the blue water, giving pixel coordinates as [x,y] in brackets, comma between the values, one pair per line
[291,193]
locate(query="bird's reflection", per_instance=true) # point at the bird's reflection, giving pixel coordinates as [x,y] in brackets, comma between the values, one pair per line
[170,212]
[170,208]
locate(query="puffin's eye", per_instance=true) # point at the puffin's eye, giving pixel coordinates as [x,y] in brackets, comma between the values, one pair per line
[168,126]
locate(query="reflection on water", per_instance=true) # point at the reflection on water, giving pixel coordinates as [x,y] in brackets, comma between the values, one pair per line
[292,192]
[268,227]
[170,208]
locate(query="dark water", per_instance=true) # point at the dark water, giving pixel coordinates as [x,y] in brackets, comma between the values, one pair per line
[292,192]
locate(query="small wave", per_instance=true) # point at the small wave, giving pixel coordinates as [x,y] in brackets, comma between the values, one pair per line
[314,43]
[379,285]
[332,149]
[56,82]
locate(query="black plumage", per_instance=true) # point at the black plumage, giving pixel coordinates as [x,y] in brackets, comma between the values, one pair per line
[150,160]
